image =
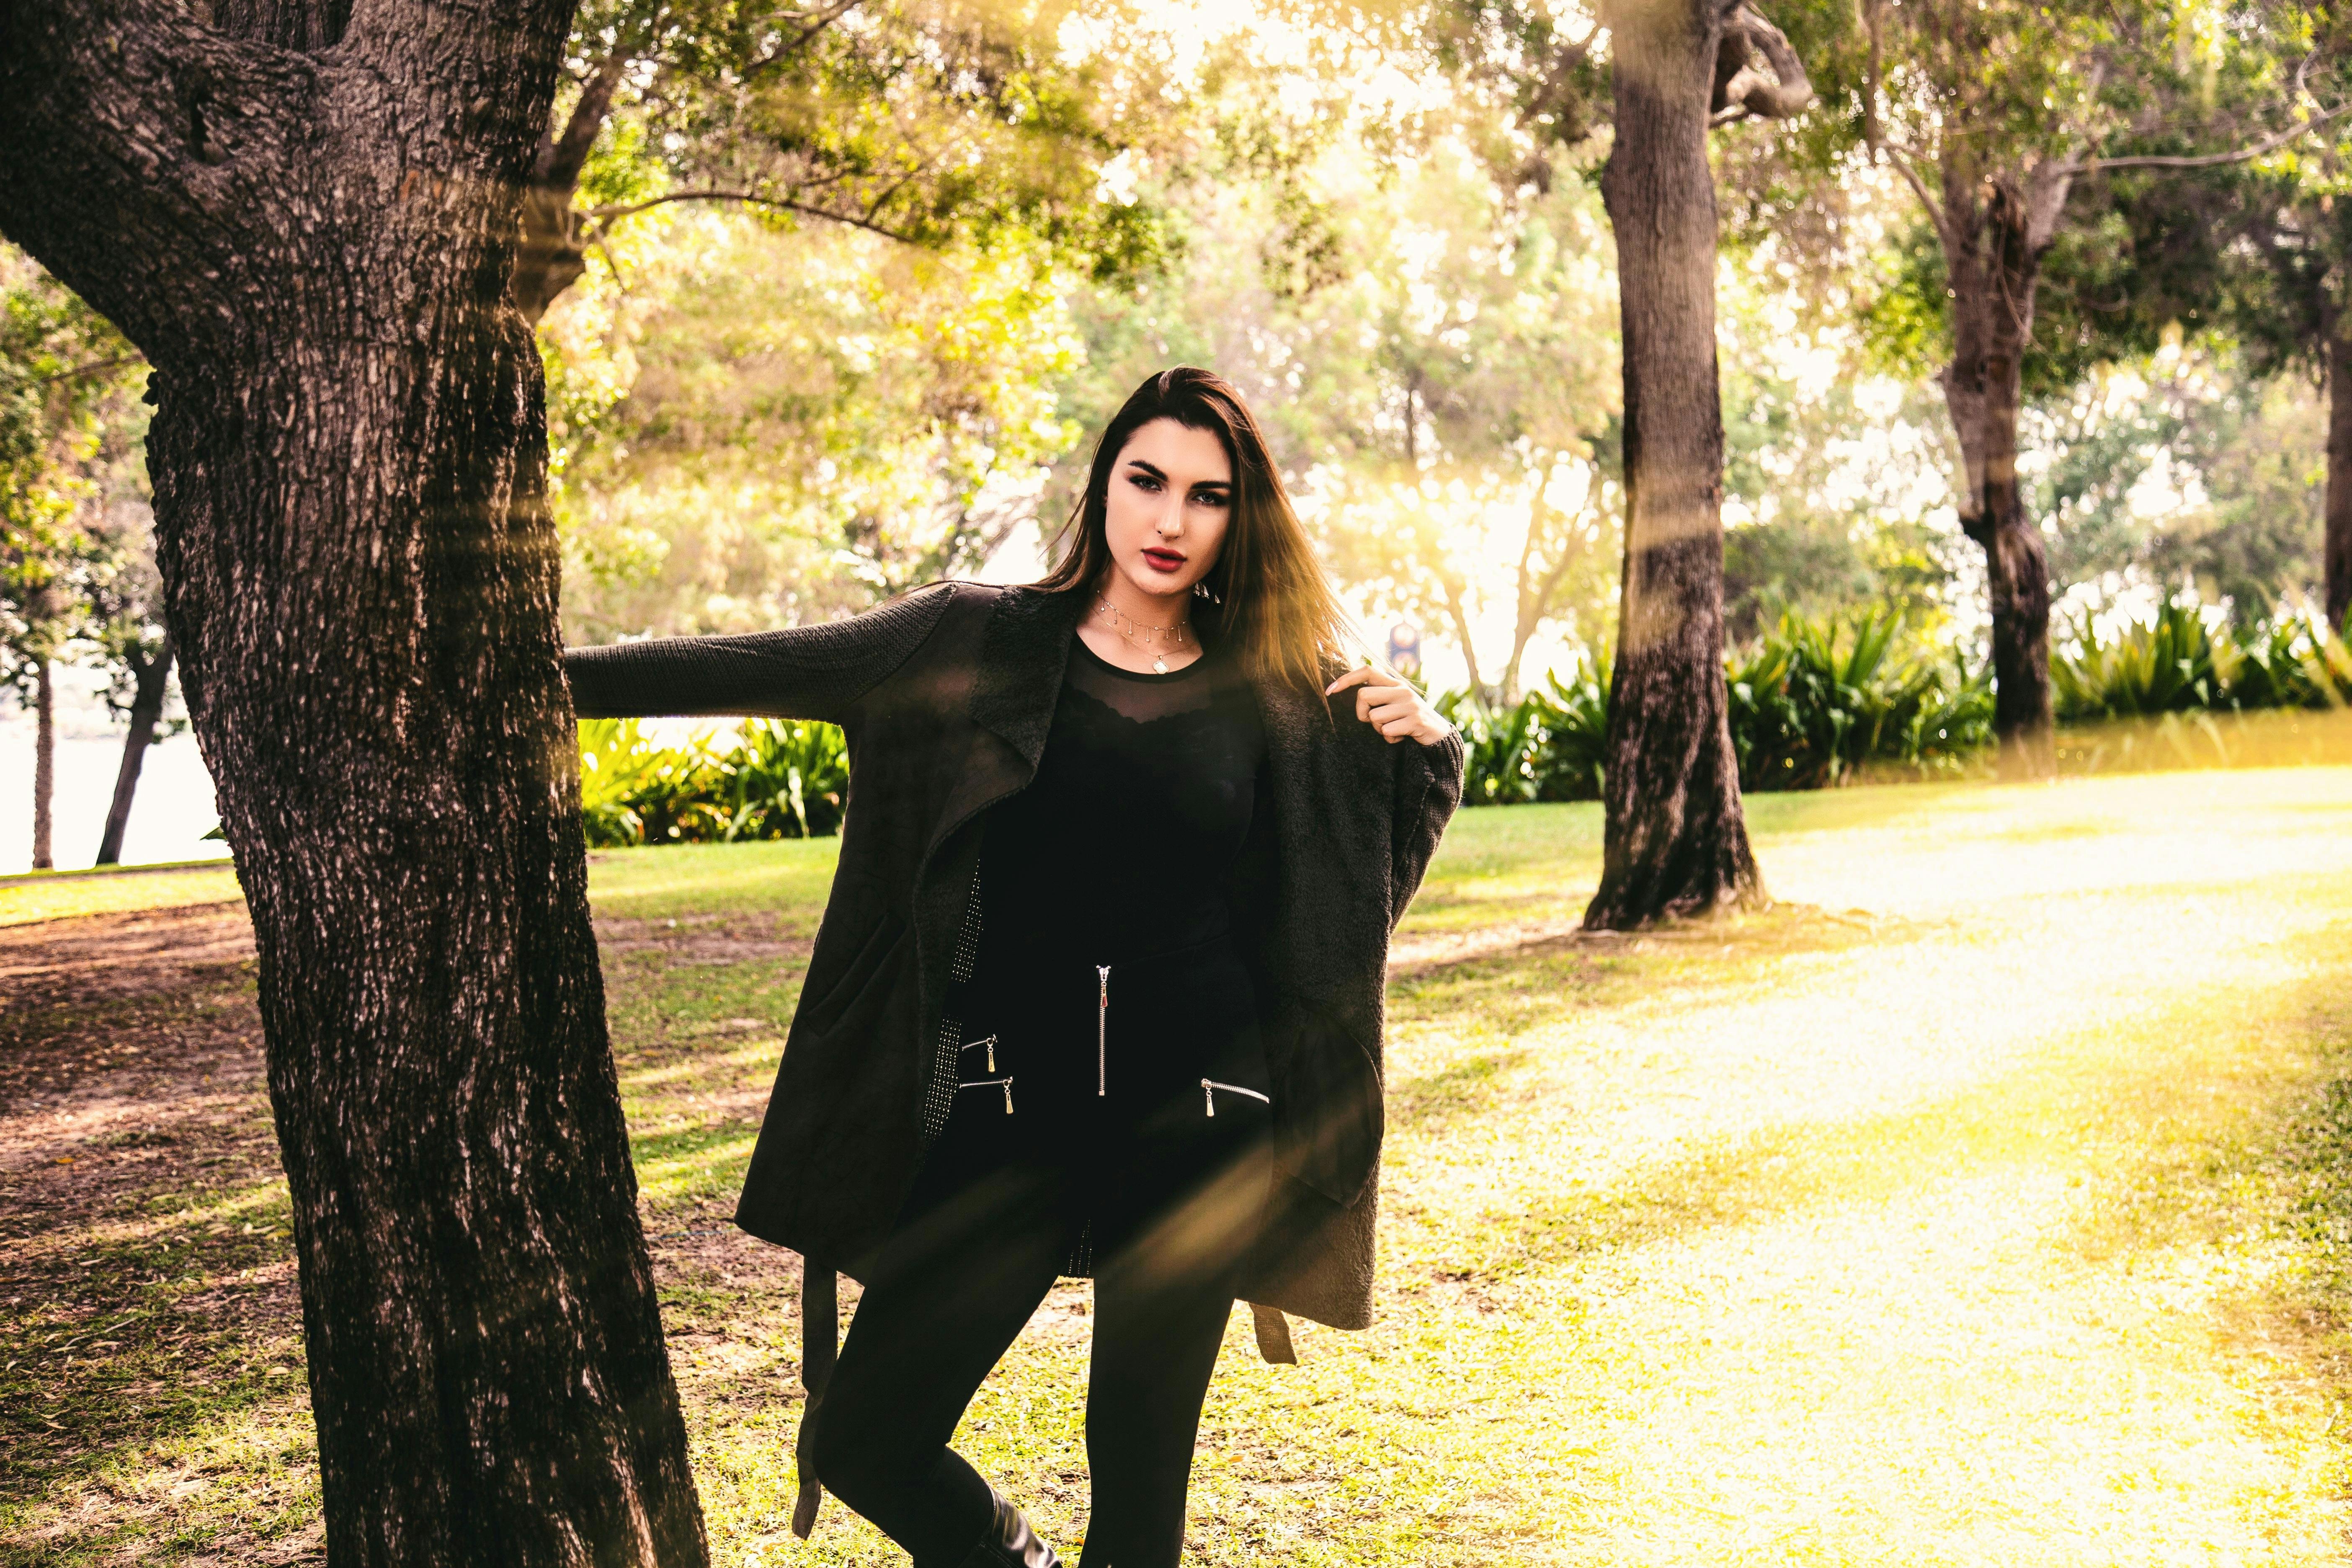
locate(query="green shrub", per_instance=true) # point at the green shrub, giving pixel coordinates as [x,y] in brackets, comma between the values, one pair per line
[1815,703]
[778,779]
[2166,666]
[1812,703]
[2181,662]
[1546,746]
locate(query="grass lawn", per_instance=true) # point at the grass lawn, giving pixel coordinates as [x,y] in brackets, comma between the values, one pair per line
[1990,1200]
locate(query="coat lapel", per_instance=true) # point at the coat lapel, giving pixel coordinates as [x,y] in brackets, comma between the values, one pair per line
[1023,650]
[1022,656]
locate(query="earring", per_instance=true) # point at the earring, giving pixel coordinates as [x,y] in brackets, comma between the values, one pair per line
[1201,589]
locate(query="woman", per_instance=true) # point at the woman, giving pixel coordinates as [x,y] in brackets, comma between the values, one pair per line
[1099,988]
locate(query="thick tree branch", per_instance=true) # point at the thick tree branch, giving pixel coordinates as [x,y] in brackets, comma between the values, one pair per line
[149,148]
[1559,96]
[476,83]
[1744,92]
[562,158]
[2046,189]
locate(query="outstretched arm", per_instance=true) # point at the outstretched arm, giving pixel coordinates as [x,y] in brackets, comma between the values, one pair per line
[807,672]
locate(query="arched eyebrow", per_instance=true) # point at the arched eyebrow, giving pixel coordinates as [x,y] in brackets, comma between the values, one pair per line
[1222,487]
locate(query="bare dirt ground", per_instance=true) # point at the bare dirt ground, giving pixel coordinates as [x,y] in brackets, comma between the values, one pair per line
[147,1277]
[138,1283]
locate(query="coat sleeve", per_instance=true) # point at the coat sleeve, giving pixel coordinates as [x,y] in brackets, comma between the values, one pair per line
[1428,788]
[807,672]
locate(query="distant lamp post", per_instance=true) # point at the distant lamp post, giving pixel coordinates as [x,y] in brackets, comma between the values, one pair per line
[1404,649]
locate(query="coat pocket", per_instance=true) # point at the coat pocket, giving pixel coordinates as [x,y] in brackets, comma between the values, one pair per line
[1327,1111]
[874,966]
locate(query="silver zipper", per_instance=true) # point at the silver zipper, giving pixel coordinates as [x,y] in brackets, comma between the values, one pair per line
[1005,1083]
[1208,1087]
[987,1043]
[1102,1031]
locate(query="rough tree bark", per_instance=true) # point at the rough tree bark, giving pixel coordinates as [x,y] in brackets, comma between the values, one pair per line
[45,761]
[1995,237]
[304,215]
[153,679]
[2338,503]
[1675,842]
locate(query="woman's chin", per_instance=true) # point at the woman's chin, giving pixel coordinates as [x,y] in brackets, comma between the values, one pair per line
[1152,583]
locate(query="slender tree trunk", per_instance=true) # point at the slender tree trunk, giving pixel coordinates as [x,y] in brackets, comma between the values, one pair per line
[1533,600]
[146,711]
[1676,840]
[359,572]
[45,761]
[2338,505]
[1993,268]
[1461,619]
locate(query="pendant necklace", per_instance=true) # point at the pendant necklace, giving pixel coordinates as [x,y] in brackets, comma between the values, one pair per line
[1121,622]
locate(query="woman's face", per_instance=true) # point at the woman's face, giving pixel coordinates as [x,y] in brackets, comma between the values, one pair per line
[1171,495]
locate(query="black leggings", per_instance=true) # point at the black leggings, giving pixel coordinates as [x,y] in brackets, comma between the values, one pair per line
[1168,1191]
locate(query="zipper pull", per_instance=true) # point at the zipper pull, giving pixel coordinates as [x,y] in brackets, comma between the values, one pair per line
[1102,1031]
[1209,1093]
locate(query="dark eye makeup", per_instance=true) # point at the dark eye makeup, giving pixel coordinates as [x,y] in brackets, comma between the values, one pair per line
[1144,476]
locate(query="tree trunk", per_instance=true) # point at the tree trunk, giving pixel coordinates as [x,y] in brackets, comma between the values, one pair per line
[146,711]
[360,571]
[1993,265]
[1677,841]
[1532,601]
[553,253]
[1461,619]
[45,761]
[2338,504]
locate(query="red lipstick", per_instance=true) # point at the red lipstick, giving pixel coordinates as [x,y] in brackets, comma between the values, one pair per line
[1164,560]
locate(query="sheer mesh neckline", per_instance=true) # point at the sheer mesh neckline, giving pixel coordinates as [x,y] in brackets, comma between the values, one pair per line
[1142,695]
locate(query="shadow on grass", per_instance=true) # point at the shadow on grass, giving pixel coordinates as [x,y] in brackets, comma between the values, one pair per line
[148,1279]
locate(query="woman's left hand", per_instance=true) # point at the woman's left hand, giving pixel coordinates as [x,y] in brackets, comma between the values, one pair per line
[1390,706]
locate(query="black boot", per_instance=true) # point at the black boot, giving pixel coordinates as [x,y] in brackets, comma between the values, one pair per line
[1009,1542]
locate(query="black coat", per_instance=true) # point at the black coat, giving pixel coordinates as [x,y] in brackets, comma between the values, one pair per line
[945,698]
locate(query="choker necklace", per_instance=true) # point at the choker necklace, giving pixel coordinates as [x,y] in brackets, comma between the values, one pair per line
[1127,625]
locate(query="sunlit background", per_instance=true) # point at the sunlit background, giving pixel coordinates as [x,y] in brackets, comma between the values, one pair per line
[1979,1198]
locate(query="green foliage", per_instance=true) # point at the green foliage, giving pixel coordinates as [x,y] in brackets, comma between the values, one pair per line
[1825,482]
[763,429]
[1549,745]
[2185,467]
[1814,703]
[2186,661]
[69,430]
[777,779]
[939,123]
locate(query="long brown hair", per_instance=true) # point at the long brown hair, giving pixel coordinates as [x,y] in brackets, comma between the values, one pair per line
[1274,608]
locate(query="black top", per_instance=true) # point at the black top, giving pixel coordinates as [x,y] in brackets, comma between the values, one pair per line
[1120,846]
